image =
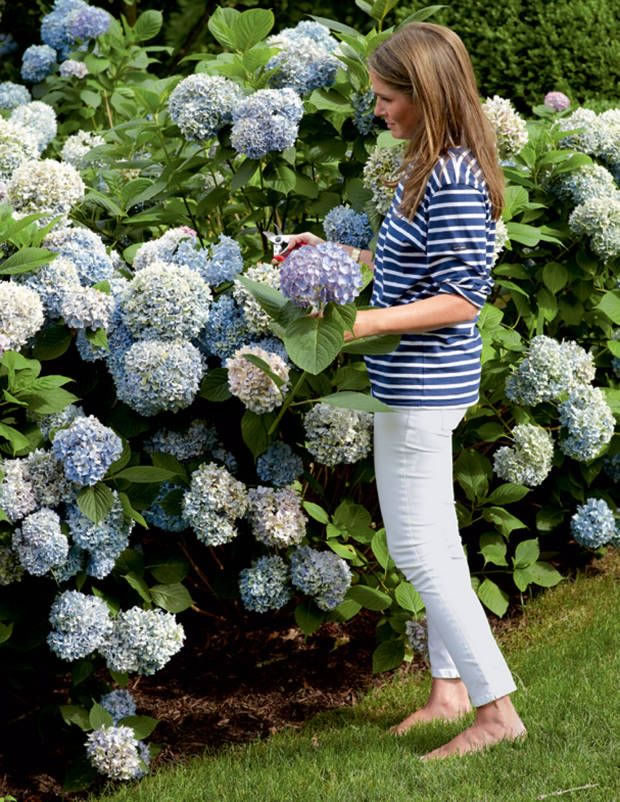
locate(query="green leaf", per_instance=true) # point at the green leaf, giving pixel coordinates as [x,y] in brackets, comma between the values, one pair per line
[384,344]
[346,610]
[344,550]
[130,512]
[490,432]
[98,717]
[379,548]
[74,714]
[348,399]
[255,431]
[26,260]
[221,25]
[6,630]
[283,179]
[80,671]
[389,654]
[95,502]
[316,512]
[505,522]
[174,597]
[308,617]
[98,339]
[544,574]
[408,597]
[370,598]
[90,98]
[270,299]
[51,341]
[493,548]
[313,343]
[142,726]
[521,578]
[547,303]
[548,518]
[15,437]
[472,471]
[555,276]
[169,572]
[139,585]
[493,597]
[214,386]
[145,474]
[526,553]
[245,172]
[610,305]
[50,401]
[526,235]
[148,25]
[507,494]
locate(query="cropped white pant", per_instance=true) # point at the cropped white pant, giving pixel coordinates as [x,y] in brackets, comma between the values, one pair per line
[413,466]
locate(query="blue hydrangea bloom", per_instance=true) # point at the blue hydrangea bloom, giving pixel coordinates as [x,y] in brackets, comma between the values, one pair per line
[320,574]
[86,449]
[39,543]
[312,276]
[7,44]
[348,227]
[142,641]
[88,23]
[265,585]
[119,704]
[119,343]
[75,564]
[266,121]
[203,104]
[161,517]
[589,422]
[226,329]
[273,346]
[279,465]
[104,541]
[37,63]
[13,95]
[198,439]
[80,624]
[85,249]
[306,60]
[225,261]
[54,30]
[364,117]
[593,524]
[49,424]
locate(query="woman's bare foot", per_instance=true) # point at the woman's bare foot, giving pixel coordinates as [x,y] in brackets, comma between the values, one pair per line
[448,701]
[496,721]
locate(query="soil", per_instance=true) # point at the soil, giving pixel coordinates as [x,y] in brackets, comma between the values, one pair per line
[233,682]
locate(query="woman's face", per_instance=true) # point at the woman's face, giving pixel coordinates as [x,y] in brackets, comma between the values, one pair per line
[397,108]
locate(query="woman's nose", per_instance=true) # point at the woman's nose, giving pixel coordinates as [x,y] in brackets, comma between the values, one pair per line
[378,109]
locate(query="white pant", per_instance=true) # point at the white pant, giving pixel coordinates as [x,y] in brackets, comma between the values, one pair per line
[413,466]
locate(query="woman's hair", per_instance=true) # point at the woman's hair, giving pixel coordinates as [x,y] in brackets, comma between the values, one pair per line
[430,63]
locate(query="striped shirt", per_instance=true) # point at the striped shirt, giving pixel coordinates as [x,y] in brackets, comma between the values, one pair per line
[446,248]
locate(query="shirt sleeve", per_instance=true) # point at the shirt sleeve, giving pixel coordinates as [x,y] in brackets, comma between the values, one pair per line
[456,245]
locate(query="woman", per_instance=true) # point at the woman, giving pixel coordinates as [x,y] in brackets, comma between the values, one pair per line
[432,276]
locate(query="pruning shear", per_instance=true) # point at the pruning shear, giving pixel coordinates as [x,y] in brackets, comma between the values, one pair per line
[279,242]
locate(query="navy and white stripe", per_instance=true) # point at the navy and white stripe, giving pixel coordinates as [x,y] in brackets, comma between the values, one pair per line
[446,248]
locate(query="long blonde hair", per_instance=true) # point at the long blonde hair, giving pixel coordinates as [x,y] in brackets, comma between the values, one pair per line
[430,63]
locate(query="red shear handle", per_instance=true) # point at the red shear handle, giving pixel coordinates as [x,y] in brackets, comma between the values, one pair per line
[281,257]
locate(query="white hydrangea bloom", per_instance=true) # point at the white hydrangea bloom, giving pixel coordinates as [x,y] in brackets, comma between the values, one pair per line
[17,145]
[48,187]
[529,462]
[276,516]
[258,321]
[21,313]
[335,435]
[510,127]
[78,145]
[255,388]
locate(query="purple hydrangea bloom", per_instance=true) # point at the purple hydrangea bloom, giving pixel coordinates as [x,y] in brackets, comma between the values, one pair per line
[313,276]
[557,101]
[37,63]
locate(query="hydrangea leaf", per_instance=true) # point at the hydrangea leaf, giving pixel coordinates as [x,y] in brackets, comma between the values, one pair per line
[526,553]
[313,343]
[214,386]
[148,25]
[408,597]
[544,574]
[174,597]
[380,549]
[145,474]
[507,494]
[370,598]
[98,717]
[317,512]
[74,714]
[250,27]
[142,726]
[95,502]
[346,610]
[389,654]
[349,399]
[308,617]
[493,597]
[493,548]
[610,305]
[26,260]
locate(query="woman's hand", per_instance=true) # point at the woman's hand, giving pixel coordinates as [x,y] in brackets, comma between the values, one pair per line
[295,240]
[363,326]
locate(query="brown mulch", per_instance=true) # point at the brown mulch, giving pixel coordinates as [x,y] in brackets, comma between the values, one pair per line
[231,683]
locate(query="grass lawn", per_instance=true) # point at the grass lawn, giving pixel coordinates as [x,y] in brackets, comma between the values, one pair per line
[565,659]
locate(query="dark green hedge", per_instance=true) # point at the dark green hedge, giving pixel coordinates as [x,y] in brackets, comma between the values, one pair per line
[522,49]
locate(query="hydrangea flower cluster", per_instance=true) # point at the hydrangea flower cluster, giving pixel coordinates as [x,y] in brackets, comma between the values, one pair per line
[255,388]
[157,376]
[213,502]
[313,276]
[49,424]
[335,435]
[73,69]
[584,131]
[142,641]
[589,422]
[86,449]
[21,314]
[593,524]
[589,181]
[85,249]
[530,460]
[119,704]
[104,540]
[510,127]
[320,574]
[364,111]
[279,465]
[86,308]
[417,636]
[608,124]
[599,219]
[549,370]
[383,164]
[160,516]
[40,119]
[52,282]
[47,187]
[17,145]
[276,516]
[306,60]
[348,227]
[71,22]
[557,101]
[7,44]
[74,564]
[257,320]
[501,239]
[38,62]
[81,624]
[116,753]
[78,145]
[611,466]
[203,104]
[178,246]
[198,439]
[46,476]
[225,261]
[39,543]
[164,301]
[17,495]
[11,570]
[226,329]
[266,121]
[265,585]
[13,95]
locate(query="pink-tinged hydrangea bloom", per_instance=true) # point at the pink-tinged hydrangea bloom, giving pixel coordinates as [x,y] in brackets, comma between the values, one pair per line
[557,101]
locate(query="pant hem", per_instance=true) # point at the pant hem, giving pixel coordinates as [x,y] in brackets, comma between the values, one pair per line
[447,673]
[478,701]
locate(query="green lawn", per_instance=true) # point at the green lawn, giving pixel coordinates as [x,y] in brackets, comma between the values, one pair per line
[565,658]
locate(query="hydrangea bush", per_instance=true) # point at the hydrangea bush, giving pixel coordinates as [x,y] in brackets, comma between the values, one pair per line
[178,407]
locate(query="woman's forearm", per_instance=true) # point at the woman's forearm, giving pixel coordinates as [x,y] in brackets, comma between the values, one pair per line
[424,315]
